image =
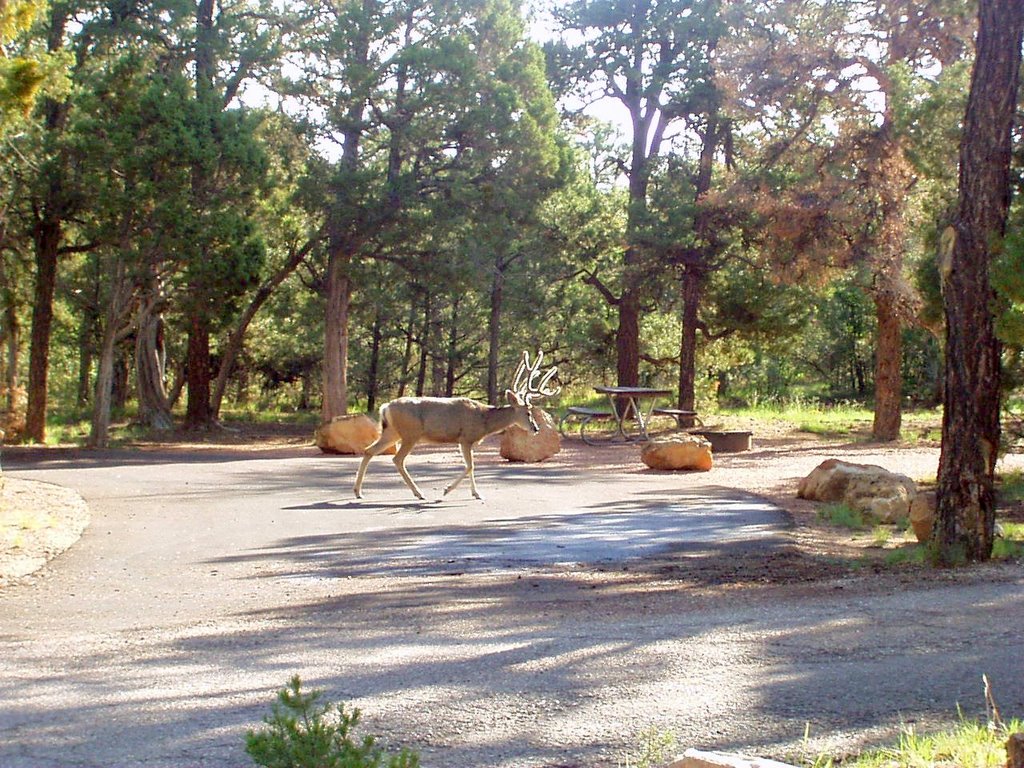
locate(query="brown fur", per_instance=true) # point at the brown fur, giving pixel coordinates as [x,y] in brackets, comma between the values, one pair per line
[450,420]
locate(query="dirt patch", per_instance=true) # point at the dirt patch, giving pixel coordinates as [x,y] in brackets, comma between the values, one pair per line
[38,521]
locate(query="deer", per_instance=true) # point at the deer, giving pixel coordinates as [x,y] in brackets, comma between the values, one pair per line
[457,420]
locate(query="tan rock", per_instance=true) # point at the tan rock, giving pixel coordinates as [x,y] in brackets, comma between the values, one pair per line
[678,452]
[348,434]
[695,758]
[884,495]
[518,444]
[922,515]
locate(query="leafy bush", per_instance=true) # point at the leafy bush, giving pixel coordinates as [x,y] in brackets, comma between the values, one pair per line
[303,731]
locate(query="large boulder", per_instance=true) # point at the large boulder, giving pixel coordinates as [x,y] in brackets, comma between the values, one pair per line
[922,516]
[678,452]
[348,434]
[874,490]
[518,444]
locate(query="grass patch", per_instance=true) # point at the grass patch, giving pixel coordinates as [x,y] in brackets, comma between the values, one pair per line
[1011,485]
[908,554]
[1009,542]
[843,516]
[843,419]
[971,744]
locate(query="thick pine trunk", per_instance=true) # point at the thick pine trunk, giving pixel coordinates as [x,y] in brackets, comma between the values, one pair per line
[198,377]
[888,373]
[627,336]
[965,519]
[47,245]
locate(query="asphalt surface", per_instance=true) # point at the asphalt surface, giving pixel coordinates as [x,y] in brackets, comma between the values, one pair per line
[517,631]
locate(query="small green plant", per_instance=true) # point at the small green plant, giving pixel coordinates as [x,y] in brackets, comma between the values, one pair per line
[304,731]
[881,535]
[1010,544]
[911,554]
[656,747]
[843,516]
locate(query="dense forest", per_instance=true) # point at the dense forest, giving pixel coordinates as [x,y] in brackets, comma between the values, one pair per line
[319,206]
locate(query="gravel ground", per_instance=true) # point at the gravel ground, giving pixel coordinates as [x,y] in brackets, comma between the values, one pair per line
[558,667]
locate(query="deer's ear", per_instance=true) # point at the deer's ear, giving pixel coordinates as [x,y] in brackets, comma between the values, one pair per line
[513,398]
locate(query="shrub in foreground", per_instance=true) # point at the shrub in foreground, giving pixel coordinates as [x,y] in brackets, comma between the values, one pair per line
[304,731]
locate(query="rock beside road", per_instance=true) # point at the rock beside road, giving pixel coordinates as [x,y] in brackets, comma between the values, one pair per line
[678,452]
[868,488]
[349,434]
[517,444]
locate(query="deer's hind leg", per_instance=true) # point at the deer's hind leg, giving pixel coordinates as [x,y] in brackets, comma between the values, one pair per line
[387,438]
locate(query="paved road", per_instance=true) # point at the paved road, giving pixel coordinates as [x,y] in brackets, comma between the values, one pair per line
[515,632]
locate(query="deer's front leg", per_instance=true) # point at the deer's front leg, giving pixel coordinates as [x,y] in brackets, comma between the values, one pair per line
[467,458]
[403,451]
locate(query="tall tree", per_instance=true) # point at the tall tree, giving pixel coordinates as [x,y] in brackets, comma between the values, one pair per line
[56,202]
[654,57]
[965,520]
[227,169]
[846,184]
[422,101]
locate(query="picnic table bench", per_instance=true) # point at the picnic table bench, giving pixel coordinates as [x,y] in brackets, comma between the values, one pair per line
[631,409]
[680,416]
[584,416]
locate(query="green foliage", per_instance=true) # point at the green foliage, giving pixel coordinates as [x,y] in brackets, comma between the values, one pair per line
[971,743]
[304,731]
[908,554]
[656,748]
[843,516]
[1011,485]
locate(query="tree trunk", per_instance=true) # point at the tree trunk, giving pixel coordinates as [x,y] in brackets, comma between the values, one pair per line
[965,514]
[410,338]
[48,235]
[435,343]
[888,373]
[421,371]
[48,238]
[335,395]
[451,355]
[494,333]
[12,339]
[233,347]
[692,289]
[154,403]
[198,376]
[112,333]
[627,336]
[373,371]
[696,268]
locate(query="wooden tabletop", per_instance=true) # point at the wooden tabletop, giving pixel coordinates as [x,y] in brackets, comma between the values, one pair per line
[633,391]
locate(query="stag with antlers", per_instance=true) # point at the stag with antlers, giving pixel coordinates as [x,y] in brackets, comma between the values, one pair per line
[457,420]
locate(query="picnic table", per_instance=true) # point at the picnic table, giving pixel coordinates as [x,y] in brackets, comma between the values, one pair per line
[630,407]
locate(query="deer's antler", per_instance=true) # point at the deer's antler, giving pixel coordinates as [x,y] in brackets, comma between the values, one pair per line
[529,383]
